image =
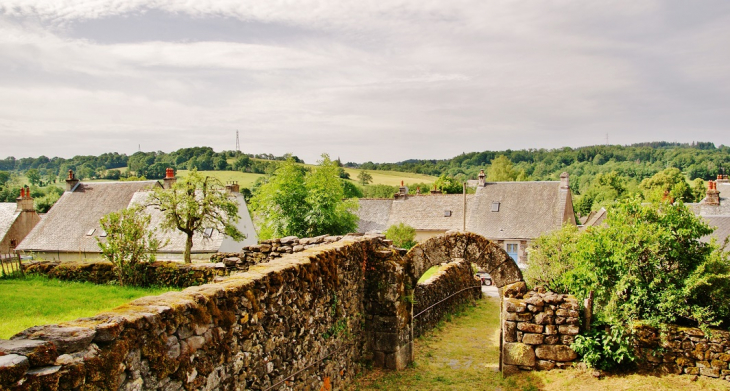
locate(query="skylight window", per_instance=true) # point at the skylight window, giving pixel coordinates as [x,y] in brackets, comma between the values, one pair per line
[91,232]
[495,206]
[447,213]
[102,234]
[208,232]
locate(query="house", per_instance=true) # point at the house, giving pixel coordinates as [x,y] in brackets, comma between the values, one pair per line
[70,229]
[511,214]
[715,208]
[16,221]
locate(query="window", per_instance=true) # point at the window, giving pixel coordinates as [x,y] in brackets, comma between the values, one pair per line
[495,206]
[208,232]
[447,213]
[91,232]
[102,234]
[513,250]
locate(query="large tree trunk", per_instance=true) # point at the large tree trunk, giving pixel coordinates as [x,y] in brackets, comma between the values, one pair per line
[188,247]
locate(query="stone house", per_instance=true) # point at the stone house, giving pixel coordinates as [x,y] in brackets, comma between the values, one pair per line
[715,208]
[16,221]
[511,214]
[70,229]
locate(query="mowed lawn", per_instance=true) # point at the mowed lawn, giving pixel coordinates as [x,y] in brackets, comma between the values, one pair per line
[33,301]
[463,354]
[244,179]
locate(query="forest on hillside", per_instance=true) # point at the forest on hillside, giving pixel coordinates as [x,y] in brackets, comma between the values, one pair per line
[599,174]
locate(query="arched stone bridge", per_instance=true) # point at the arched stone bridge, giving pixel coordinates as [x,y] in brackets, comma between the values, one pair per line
[306,320]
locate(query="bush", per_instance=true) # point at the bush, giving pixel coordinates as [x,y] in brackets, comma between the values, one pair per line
[606,348]
[549,258]
[403,236]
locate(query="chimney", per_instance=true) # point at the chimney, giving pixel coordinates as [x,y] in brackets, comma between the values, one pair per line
[564,180]
[713,196]
[402,192]
[482,179]
[418,190]
[233,187]
[435,190]
[71,181]
[721,179]
[25,202]
[169,178]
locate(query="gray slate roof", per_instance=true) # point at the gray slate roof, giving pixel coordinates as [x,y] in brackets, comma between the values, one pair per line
[723,228]
[527,210]
[65,226]
[8,215]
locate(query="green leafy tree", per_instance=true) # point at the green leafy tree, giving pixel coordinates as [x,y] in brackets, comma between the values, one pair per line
[129,244]
[364,177]
[33,176]
[311,204]
[351,190]
[699,190]
[242,163]
[195,203]
[550,256]
[4,177]
[669,184]
[501,169]
[402,235]
[449,184]
[379,191]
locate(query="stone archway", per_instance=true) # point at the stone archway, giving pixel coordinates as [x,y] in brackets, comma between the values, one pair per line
[470,247]
[462,245]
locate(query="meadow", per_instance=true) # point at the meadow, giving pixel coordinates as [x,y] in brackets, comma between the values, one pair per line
[34,300]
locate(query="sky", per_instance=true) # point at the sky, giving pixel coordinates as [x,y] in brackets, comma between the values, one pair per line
[380,81]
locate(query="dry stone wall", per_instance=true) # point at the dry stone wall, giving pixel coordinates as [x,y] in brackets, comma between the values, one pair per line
[684,350]
[453,286]
[306,321]
[155,273]
[537,330]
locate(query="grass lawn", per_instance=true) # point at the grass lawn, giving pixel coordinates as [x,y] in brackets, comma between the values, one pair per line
[244,179]
[33,301]
[463,354]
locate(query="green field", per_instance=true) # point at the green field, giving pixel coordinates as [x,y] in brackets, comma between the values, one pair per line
[34,301]
[244,179]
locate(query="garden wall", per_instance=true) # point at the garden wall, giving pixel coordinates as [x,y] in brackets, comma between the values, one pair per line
[306,321]
[433,298]
[684,350]
[156,273]
[537,330]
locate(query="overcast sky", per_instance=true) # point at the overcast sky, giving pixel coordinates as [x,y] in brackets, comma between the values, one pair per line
[381,80]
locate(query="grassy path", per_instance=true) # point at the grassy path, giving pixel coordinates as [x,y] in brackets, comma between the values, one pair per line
[463,354]
[33,301]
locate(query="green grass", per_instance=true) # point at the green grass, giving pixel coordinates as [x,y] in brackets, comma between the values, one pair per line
[428,273]
[244,179]
[33,301]
[392,178]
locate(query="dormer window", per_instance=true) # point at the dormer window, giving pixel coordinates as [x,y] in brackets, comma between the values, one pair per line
[495,206]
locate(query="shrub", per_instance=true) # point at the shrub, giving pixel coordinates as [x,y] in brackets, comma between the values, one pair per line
[129,244]
[550,257]
[402,235]
[606,348]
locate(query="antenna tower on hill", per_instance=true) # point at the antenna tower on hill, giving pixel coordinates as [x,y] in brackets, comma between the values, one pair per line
[238,143]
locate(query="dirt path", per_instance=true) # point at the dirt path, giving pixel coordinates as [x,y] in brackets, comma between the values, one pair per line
[463,354]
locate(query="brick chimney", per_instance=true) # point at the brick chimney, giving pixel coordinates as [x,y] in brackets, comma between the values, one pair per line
[25,202]
[435,190]
[71,181]
[564,180]
[169,178]
[233,187]
[713,196]
[402,191]
[721,179]
[482,179]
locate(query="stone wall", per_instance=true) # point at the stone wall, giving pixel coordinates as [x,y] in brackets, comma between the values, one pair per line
[270,249]
[538,329]
[156,273]
[429,308]
[684,350]
[306,321]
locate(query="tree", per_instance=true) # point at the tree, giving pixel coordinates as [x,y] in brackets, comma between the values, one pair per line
[33,176]
[402,235]
[296,202]
[501,170]
[550,257]
[669,184]
[242,163]
[448,184]
[129,243]
[364,177]
[195,203]
[4,177]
